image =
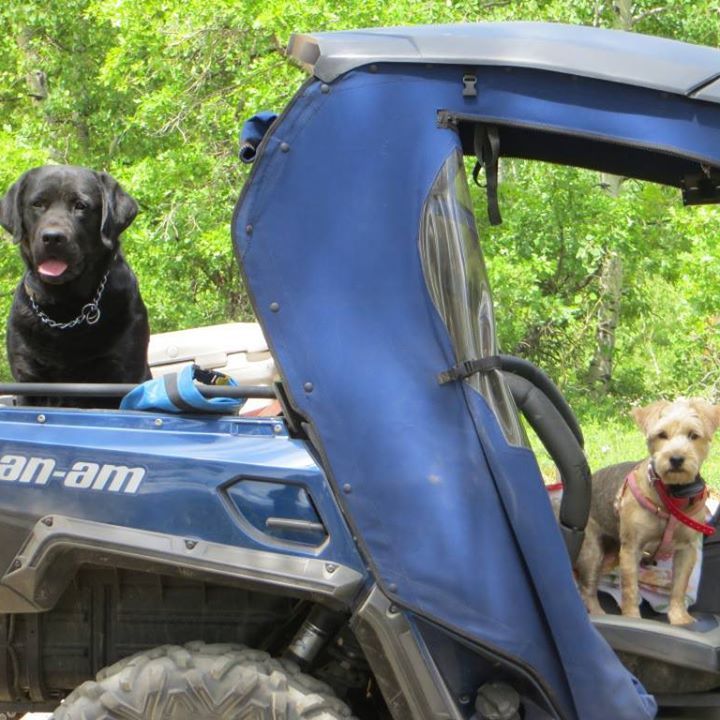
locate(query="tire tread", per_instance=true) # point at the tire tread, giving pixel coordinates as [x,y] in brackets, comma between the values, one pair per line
[202,682]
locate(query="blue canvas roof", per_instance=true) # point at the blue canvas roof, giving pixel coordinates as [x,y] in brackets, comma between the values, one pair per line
[623,57]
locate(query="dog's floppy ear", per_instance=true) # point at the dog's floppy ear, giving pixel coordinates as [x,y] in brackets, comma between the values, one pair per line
[709,413]
[118,210]
[646,416]
[715,414]
[11,210]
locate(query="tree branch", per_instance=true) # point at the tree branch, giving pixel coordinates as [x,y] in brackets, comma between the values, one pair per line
[648,13]
[599,7]
[496,3]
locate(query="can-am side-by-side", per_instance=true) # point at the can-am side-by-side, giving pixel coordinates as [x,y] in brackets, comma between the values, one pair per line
[383,547]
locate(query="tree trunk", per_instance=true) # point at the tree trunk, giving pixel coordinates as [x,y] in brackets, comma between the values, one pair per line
[624,13]
[38,90]
[611,286]
[36,78]
[611,275]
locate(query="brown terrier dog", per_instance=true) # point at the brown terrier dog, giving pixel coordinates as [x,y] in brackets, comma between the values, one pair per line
[628,506]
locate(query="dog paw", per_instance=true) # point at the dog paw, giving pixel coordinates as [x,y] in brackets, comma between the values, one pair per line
[680,617]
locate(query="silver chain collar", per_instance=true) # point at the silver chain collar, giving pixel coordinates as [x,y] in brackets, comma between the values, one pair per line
[90,312]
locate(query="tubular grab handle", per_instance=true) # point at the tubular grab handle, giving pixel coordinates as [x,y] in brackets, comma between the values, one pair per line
[526,369]
[561,442]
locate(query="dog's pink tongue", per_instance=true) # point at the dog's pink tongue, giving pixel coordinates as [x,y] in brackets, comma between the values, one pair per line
[53,268]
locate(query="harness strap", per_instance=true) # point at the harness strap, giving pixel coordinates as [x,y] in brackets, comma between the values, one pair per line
[645,501]
[664,550]
[673,507]
[672,514]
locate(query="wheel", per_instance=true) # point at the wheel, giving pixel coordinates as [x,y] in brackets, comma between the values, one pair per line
[202,682]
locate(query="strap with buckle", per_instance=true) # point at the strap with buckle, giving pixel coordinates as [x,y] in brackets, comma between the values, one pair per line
[672,513]
[465,369]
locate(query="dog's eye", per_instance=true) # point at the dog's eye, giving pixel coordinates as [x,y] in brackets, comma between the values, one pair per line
[662,435]
[693,435]
[39,204]
[80,205]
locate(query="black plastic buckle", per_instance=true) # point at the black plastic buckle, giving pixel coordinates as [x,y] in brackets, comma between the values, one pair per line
[469,367]
[469,84]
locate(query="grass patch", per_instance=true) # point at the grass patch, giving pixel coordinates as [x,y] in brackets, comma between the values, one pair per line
[609,441]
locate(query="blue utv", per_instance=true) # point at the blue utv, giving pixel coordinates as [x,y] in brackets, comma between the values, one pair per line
[384,547]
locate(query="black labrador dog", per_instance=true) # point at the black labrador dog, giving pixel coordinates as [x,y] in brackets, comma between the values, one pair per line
[77,314]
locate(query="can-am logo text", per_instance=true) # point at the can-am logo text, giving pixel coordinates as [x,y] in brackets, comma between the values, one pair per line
[83,475]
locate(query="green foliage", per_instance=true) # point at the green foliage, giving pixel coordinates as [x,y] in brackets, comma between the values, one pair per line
[155,93]
[545,261]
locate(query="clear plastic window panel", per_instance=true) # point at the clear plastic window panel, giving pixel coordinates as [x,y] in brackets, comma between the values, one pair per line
[457,280]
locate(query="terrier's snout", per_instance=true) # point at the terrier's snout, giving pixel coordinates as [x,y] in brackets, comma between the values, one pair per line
[676,462]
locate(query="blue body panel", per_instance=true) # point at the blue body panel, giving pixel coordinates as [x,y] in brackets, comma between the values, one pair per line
[191,464]
[456,523]
[261,502]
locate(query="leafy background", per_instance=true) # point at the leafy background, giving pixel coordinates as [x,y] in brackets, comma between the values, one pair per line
[155,93]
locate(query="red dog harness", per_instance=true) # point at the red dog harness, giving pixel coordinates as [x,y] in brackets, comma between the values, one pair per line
[673,511]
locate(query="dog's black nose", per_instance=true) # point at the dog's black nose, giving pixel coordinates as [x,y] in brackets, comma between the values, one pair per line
[54,238]
[676,461]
